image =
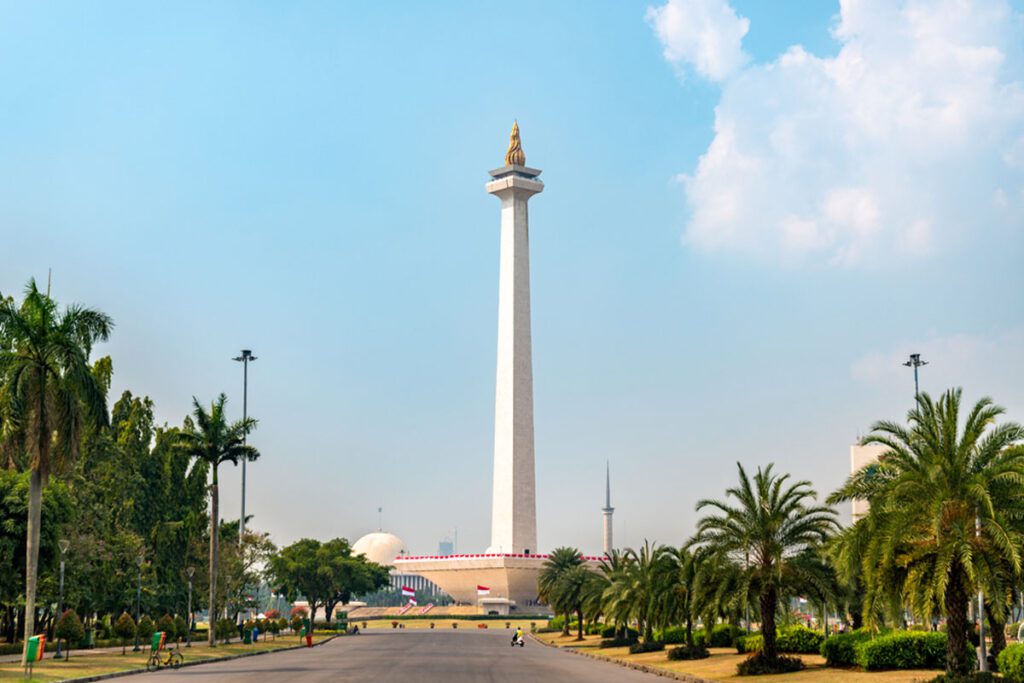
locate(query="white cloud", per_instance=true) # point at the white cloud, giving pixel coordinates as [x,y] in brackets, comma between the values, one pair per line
[704,34]
[908,140]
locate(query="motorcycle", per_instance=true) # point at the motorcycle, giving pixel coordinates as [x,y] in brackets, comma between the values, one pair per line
[518,640]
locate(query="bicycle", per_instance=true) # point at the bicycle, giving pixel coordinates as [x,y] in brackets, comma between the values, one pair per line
[173,659]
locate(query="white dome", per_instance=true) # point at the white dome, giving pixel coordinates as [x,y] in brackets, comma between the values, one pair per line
[379,547]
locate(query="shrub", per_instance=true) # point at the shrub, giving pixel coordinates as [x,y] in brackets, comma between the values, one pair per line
[749,643]
[799,640]
[612,631]
[757,664]
[274,626]
[652,646]
[687,652]
[841,649]
[166,624]
[976,677]
[1011,663]
[301,612]
[296,622]
[180,628]
[69,627]
[903,650]
[124,628]
[592,630]
[224,629]
[273,613]
[282,624]
[673,635]
[146,628]
[725,635]
[617,642]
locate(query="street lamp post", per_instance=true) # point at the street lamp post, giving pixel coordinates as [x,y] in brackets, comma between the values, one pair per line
[982,654]
[140,560]
[915,362]
[63,544]
[188,630]
[244,359]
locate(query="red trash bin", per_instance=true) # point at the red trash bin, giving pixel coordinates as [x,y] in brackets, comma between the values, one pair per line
[309,641]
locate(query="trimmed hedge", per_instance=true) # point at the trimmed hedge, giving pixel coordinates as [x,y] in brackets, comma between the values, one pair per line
[1011,663]
[841,649]
[724,635]
[799,640]
[686,652]
[749,643]
[617,642]
[903,650]
[611,631]
[639,648]
[757,664]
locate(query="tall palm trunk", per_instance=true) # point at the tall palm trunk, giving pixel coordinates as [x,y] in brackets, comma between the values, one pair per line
[997,628]
[769,603]
[958,654]
[565,626]
[35,500]
[214,513]
[579,624]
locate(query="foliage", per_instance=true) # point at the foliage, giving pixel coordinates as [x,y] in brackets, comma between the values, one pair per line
[725,635]
[225,630]
[166,624]
[800,640]
[1011,663]
[937,477]
[758,664]
[903,650]
[124,627]
[69,628]
[296,622]
[781,528]
[180,628]
[324,573]
[687,652]
[146,627]
[841,649]
[749,643]
[976,677]
[617,642]
[551,577]
[646,646]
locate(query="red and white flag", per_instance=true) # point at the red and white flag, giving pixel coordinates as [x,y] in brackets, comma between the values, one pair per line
[482,591]
[412,601]
[408,592]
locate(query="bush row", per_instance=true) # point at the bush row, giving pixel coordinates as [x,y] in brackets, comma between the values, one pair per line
[791,640]
[1011,663]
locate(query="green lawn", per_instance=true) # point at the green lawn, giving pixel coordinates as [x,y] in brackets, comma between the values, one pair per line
[83,663]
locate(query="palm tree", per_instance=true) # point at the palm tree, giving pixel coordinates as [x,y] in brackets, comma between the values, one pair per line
[209,437]
[943,521]
[574,590]
[775,521]
[558,563]
[678,595]
[50,395]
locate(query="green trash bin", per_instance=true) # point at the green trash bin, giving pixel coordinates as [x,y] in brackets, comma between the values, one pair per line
[247,636]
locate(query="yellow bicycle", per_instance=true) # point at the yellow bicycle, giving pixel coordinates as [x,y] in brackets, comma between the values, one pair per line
[172,659]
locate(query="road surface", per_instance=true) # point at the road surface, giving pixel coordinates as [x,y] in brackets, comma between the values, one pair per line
[413,656]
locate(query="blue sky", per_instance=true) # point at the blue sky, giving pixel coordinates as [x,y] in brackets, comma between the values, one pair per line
[738,242]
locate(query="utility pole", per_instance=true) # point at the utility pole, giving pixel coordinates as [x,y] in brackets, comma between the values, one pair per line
[915,362]
[190,571]
[982,653]
[63,544]
[244,359]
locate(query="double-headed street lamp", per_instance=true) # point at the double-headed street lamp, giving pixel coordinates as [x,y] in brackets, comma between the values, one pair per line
[190,571]
[140,560]
[244,359]
[915,362]
[63,544]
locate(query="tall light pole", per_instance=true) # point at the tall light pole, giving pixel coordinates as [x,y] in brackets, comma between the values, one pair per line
[915,362]
[244,359]
[190,571]
[140,560]
[63,544]
[982,654]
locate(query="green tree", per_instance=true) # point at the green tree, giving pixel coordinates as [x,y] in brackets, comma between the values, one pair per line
[125,628]
[558,563]
[210,438]
[945,509]
[70,630]
[49,396]
[572,591]
[146,628]
[775,521]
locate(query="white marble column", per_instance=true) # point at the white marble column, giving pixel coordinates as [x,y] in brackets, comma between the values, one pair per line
[514,512]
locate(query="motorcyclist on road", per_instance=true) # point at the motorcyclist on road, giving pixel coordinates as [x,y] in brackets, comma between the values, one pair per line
[517,635]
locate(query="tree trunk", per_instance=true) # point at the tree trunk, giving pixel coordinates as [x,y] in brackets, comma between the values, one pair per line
[958,655]
[997,627]
[565,626]
[579,626]
[769,602]
[689,632]
[35,496]
[214,504]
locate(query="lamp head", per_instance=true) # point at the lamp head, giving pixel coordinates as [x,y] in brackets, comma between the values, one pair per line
[190,571]
[63,544]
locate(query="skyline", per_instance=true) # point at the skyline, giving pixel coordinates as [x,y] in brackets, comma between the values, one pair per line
[295,186]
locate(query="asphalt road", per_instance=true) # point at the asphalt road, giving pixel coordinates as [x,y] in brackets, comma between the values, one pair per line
[413,655]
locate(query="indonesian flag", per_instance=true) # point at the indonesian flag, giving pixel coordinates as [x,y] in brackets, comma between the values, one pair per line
[412,601]
[482,591]
[408,592]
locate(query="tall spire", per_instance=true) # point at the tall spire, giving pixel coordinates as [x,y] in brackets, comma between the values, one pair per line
[607,509]
[607,485]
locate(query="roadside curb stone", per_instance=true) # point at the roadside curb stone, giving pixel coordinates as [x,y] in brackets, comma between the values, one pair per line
[133,672]
[646,668]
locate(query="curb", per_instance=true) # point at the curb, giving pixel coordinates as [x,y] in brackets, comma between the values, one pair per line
[133,672]
[645,668]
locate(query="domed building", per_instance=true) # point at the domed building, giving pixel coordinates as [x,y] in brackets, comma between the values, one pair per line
[383,548]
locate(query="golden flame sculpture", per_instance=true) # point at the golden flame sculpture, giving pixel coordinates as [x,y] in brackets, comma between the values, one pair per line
[515,156]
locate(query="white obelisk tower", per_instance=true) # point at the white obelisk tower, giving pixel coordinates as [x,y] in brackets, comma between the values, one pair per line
[608,509]
[514,511]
